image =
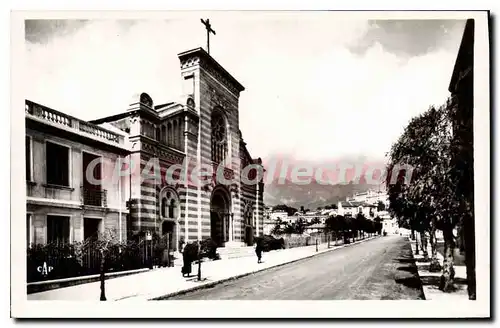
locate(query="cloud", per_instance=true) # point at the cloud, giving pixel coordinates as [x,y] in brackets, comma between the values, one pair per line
[409,38]
[308,93]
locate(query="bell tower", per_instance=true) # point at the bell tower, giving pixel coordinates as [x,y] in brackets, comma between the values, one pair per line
[214,93]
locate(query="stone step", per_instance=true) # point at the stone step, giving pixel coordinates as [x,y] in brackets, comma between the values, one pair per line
[235,252]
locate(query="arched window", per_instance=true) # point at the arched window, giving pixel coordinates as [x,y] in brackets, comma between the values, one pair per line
[176,134]
[158,134]
[169,204]
[164,207]
[180,132]
[219,137]
[164,133]
[171,209]
[170,134]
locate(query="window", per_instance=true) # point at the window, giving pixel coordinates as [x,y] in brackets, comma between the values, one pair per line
[91,228]
[176,134]
[171,209]
[57,229]
[57,160]
[28,159]
[170,131]
[169,205]
[164,207]
[158,134]
[92,190]
[164,134]
[219,137]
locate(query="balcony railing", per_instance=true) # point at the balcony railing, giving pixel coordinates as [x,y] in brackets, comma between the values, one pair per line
[55,117]
[94,197]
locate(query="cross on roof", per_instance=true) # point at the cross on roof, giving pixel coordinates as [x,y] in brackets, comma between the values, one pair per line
[209,30]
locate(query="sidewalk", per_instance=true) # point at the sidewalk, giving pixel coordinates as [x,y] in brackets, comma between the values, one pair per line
[169,281]
[430,280]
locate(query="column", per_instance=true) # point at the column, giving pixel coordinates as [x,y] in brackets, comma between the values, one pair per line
[223,226]
[230,217]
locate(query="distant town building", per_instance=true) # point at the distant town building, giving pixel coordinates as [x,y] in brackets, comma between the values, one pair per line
[371,197]
[352,208]
[389,224]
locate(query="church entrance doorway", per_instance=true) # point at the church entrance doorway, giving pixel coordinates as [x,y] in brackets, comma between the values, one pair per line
[168,233]
[220,217]
[249,238]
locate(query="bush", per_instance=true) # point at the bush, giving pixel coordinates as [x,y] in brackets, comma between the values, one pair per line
[209,249]
[61,257]
[84,258]
[269,243]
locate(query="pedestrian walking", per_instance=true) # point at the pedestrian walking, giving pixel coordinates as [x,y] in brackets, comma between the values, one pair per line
[187,259]
[258,251]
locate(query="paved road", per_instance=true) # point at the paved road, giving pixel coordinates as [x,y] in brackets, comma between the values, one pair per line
[382,268]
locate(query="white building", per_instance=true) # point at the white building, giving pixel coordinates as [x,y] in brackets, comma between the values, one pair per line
[274,216]
[389,224]
[371,197]
[352,208]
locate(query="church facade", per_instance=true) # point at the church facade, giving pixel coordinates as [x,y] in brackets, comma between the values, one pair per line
[177,141]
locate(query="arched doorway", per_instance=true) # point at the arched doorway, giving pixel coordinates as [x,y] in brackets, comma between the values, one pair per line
[220,216]
[169,214]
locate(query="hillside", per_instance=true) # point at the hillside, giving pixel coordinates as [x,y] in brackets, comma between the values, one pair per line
[312,195]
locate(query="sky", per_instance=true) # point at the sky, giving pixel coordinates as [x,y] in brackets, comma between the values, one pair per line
[316,88]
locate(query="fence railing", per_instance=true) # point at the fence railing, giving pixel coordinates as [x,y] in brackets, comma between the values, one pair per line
[56,117]
[84,258]
[94,197]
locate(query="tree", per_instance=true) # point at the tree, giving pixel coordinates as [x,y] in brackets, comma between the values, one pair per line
[359,224]
[289,229]
[282,207]
[277,229]
[334,224]
[377,225]
[299,226]
[380,206]
[347,228]
[429,199]
[104,244]
[331,207]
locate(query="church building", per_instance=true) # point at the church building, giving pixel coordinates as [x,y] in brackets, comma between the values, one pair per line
[200,131]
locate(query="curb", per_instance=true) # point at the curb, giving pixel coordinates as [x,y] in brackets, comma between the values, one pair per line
[418,271]
[214,283]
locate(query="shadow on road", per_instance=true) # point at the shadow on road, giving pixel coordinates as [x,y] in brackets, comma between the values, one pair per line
[434,281]
[407,272]
[409,269]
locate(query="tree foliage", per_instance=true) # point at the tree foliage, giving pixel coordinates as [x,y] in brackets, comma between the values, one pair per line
[380,206]
[425,176]
[285,208]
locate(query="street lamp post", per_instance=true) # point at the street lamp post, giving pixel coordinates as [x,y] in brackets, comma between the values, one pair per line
[199,261]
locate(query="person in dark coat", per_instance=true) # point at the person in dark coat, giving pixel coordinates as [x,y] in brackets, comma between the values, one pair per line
[186,268]
[258,251]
